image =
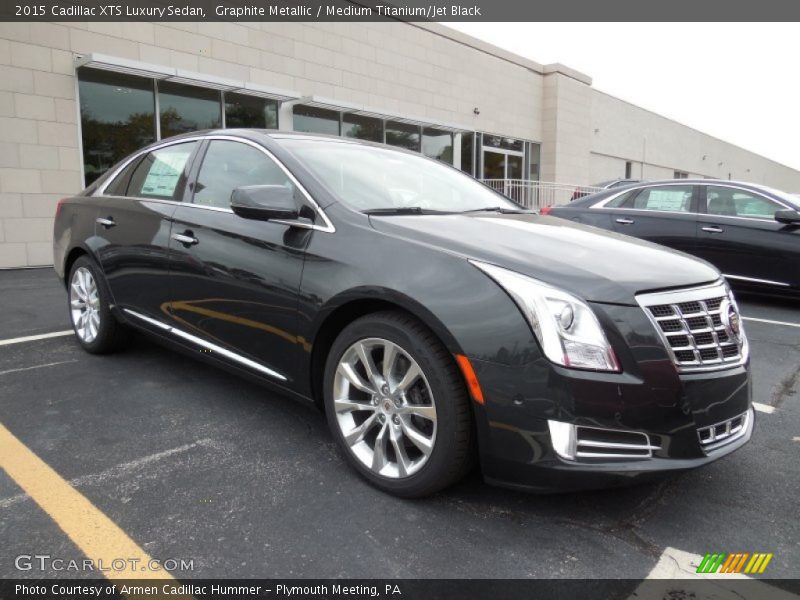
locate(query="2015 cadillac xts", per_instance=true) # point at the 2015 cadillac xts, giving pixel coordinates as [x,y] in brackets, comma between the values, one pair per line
[433,319]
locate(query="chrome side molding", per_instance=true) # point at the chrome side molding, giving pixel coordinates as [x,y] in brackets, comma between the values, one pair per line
[207,345]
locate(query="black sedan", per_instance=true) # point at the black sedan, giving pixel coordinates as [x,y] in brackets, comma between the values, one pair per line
[749,232]
[432,319]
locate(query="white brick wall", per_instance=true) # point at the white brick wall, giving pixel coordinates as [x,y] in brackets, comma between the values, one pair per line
[421,70]
[628,132]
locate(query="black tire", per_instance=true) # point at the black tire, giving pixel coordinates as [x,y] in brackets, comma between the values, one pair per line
[111,334]
[451,456]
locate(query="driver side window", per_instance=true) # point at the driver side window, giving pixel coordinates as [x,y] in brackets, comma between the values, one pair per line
[228,165]
[731,202]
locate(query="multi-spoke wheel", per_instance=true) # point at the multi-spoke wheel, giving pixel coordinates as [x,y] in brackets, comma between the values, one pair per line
[95,327]
[84,303]
[397,405]
[384,407]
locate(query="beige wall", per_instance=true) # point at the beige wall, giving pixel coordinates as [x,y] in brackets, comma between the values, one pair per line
[408,69]
[425,71]
[658,147]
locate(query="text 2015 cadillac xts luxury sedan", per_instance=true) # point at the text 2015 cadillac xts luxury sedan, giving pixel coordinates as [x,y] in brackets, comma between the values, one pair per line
[433,319]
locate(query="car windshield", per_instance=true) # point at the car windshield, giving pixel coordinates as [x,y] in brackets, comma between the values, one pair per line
[374,179]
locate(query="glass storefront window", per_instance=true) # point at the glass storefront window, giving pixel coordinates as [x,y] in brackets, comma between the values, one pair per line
[438,144]
[116,118]
[362,128]
[504,143]
[534,160]
[187,108]
[242,110]
[316,120]
[468,152]
[402,135]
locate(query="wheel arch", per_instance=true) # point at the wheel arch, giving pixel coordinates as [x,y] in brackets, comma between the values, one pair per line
[354,306]
[72,256]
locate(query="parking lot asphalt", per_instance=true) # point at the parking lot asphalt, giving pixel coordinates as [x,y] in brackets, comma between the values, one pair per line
[195,463]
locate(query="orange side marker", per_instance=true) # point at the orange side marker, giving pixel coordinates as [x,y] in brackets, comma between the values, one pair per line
[470,377]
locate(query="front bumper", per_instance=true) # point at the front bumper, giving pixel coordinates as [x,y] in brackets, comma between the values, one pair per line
[516,447]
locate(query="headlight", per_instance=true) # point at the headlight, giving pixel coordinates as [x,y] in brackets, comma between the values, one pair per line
[565,326]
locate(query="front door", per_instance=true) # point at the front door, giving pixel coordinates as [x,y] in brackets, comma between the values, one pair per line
[235,281]
[133,226]
[739,235]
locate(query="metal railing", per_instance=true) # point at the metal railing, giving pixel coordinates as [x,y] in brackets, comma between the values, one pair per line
[537,194]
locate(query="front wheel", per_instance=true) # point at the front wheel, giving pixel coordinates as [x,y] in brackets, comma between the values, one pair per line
[95,327]
[397,405]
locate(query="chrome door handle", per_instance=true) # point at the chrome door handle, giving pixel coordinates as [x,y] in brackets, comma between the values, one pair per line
[713,229]
[107,223]
[624,221]
[185,238]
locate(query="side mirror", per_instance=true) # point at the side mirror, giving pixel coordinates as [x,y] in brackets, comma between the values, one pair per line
[264,202]
[789,216]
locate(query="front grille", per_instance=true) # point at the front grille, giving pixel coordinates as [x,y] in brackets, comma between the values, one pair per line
[720,434]
[592,442]
[691,325]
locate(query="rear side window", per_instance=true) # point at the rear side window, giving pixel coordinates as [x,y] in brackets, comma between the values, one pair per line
[228,165]
[621,199]
[730,202]
[162,173]
[668,198]
[119,185]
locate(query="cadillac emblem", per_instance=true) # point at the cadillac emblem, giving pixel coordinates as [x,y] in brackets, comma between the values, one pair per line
[730,319]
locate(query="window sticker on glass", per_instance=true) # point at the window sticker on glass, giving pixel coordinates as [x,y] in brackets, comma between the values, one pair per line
[164,174]
[667,200]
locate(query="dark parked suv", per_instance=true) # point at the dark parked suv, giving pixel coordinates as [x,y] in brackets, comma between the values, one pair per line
[434,320]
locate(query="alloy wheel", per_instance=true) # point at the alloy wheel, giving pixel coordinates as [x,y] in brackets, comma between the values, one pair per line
[84,304]
[384,408]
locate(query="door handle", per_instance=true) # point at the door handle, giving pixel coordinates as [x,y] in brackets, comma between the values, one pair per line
[713,229]
[108,223]
[624,221]
[186,238]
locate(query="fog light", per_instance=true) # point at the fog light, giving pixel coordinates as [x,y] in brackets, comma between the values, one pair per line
[563,438]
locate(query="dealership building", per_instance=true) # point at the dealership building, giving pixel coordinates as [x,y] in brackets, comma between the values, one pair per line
[77,97]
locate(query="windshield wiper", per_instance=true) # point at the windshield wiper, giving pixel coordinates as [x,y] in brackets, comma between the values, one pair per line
[500,209]
[403,210]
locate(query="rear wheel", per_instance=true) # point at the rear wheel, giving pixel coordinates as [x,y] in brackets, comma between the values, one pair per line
[95,327]
[397,405]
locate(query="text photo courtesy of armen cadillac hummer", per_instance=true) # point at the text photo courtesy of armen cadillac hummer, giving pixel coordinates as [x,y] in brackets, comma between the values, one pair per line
[359,300]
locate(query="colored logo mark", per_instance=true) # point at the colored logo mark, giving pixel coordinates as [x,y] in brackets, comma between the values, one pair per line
[740,562]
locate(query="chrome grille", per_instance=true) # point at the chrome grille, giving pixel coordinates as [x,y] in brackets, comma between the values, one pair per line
[720,434]
[691,326]
[592,442]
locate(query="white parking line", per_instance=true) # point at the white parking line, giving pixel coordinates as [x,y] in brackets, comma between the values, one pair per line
[52,364]
[771,322]
[33,338]
[765,408]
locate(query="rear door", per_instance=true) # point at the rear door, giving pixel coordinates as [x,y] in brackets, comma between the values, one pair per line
[738,234]
[235,281]
[663,214]
[133,226]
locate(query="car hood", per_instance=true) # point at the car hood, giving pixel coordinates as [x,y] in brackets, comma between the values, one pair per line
[594,264]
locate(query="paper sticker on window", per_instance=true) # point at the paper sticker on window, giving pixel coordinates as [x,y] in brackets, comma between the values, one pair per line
[164,174]
[666,200]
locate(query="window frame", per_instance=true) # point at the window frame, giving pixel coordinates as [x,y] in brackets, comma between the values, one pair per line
[326,226]
[703,205]
[197,167]
[695,206]
[187,171]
